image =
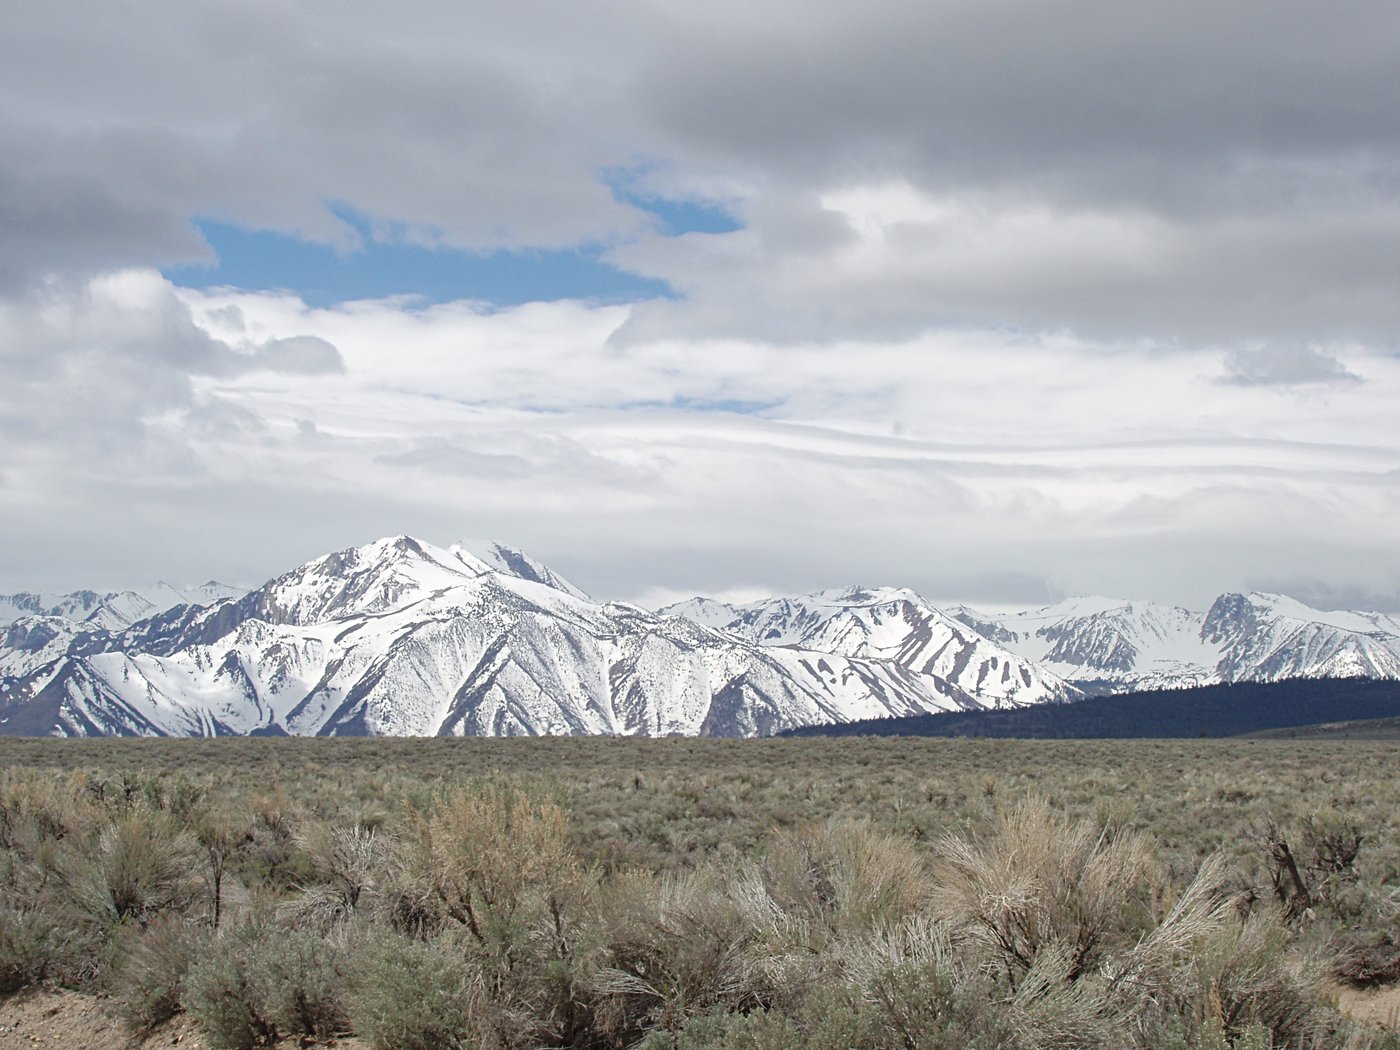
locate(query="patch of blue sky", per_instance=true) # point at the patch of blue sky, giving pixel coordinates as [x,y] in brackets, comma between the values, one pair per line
[384,266]
[675,216]
[263,260]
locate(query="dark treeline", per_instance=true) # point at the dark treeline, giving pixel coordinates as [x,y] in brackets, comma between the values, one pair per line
[1212,710]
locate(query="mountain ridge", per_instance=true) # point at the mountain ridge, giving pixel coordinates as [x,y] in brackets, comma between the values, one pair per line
[399,636]
[402,637]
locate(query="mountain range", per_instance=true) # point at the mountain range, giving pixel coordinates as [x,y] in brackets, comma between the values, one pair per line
[401,637]
[1107,644]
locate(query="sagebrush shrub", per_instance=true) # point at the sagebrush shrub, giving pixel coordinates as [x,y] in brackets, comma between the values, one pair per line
[349,866]
[138,865]
[414,995]
[678,946]
[846,875]
[261,982]
[1040,881]
[147,979]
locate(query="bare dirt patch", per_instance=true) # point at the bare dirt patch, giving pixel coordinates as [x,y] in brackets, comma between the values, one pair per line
[1379,1005]
[76,1021]
[82,1022]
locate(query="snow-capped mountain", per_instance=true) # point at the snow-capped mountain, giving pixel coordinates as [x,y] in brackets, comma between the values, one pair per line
[893,625]
[36,629]
[113,610]
[1116,644]
[400,637]
[1266,637]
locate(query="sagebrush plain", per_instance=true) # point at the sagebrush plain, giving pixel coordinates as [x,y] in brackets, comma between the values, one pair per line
[604,893]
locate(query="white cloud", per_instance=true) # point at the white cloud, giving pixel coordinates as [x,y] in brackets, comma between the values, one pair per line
[968,464]
[1055,298]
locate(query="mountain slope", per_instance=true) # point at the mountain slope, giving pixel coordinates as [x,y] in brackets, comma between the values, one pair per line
[1109,643]
[891,625]
[400,637]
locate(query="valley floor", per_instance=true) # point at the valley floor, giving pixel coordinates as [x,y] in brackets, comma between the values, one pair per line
[796,858]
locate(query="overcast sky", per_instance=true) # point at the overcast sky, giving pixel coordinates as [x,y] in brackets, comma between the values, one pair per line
[1003,302]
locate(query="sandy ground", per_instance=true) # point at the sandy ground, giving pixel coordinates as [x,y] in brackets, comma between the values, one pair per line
[82,1022]
[1380,1006]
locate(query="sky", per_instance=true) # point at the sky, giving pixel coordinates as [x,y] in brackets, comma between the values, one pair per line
[1001,302]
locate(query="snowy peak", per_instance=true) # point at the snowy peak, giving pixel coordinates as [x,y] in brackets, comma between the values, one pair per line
[113,610]
[514,562]
[892,625]
[392,574]
[370,580]
[1241,637]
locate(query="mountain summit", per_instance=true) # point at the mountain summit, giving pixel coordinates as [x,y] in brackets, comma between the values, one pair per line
[400,637]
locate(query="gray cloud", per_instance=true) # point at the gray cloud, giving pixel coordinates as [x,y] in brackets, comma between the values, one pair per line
[1250,152]
[298,355]
[1185,107]
[1286,366]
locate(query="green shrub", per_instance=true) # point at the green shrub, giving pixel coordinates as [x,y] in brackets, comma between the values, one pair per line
[32,947]
[299,983]
[147,980]
[411,995]
[135,867]
[220,995]
[259,983]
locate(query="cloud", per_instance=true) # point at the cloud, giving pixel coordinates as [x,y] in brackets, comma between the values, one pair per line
[1286,367]
[893,261]
[298,354]
[1188,175]
[971,465]
[89,367]
[968,335]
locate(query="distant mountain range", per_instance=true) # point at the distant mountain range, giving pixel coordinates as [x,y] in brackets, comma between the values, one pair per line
[400,637]
[1107,644]
[114,609]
